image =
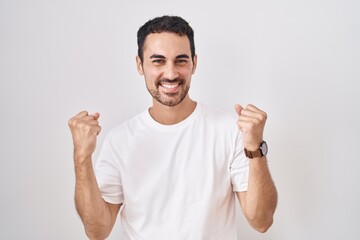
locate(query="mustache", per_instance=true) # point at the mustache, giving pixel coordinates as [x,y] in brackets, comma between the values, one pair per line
[167,80]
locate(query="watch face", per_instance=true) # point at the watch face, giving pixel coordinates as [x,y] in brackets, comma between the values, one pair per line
[263,148]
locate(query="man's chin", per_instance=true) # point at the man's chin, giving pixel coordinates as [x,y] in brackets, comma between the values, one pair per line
[170,101]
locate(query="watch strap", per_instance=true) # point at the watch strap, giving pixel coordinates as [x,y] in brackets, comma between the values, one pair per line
[253,154]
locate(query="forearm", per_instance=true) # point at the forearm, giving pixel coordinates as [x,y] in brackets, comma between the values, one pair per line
[93,210]
[261,197]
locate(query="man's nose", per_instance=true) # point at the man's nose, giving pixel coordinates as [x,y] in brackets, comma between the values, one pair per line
[170,71]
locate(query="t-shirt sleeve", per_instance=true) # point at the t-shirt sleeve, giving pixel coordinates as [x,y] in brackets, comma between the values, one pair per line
[239,167]
[108,175]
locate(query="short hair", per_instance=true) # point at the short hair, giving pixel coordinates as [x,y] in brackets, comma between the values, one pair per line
[172,24]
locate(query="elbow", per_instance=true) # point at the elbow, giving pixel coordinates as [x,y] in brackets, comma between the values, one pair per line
[97,232]
[95,235]
[260,223]
[261,219]
[263,227]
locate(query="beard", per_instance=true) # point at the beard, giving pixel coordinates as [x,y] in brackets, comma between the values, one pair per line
[170,99]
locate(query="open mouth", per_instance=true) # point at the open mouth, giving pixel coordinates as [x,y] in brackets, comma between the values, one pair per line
[170,87]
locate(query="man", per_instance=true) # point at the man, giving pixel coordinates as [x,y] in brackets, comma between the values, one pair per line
[175,168]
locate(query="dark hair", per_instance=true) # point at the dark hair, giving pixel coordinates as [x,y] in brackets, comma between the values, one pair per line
[173,24]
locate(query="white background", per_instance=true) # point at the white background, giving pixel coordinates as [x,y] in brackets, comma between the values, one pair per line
[297,60]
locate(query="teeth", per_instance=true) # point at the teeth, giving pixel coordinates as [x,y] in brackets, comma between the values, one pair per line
[170,86]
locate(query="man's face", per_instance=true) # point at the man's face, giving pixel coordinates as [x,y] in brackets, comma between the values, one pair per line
[167,67]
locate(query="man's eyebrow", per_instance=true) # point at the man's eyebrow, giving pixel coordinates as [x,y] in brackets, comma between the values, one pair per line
[163,57]
[157,56]
[182,56]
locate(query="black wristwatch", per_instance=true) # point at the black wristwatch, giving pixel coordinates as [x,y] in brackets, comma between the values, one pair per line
[262,151]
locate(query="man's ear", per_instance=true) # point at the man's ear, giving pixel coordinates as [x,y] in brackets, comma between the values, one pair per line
[194,63]
[139,66]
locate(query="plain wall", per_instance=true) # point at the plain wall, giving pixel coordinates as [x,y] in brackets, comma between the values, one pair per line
[297,60]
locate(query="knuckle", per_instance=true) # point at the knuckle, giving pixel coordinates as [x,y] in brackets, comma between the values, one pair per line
[257,121]
[264,115]
[84,113]
[72,122]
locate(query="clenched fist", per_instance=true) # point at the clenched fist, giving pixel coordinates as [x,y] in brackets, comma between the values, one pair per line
[84,129]
[251,122]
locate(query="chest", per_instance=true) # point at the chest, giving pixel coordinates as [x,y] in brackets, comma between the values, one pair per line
[189,164]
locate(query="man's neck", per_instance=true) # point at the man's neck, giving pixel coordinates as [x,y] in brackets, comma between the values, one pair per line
[171,115]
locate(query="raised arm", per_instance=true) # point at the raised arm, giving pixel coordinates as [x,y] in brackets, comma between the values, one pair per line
[97,215]
[259,202]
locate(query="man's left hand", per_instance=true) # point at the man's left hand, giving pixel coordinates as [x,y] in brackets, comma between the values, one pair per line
[251,122]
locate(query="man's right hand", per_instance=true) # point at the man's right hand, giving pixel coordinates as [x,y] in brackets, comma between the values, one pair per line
[84,129]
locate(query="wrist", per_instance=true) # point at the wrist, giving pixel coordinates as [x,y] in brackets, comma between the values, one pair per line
[256,152]
[254,144]
[252,147]
[82,156]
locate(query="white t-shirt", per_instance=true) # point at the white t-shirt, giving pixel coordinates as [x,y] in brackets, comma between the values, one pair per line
[175,181]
